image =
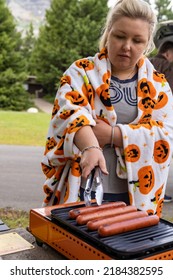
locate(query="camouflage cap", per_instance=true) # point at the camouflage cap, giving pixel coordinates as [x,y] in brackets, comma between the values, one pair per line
[164,33]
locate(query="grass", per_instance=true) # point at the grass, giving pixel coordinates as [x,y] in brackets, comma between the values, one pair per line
[14,218]
[22,128]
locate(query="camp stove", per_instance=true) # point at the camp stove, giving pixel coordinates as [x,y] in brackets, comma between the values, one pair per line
[52,225]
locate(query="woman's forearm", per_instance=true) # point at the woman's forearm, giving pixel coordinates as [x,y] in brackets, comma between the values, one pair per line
[85,137]
[117,137]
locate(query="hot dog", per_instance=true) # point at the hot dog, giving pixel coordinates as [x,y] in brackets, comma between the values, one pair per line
[95,224]
[129,225]
[88,209]
[83,219]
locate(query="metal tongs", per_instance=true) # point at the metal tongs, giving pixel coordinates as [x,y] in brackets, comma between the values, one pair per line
[94,183]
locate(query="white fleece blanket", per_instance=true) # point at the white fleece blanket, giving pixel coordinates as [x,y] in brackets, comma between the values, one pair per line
[145,159]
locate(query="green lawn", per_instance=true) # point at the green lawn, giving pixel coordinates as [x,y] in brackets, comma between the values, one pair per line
[22,128]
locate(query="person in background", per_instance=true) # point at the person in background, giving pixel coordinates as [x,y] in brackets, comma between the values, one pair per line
[163,61]
[115,111]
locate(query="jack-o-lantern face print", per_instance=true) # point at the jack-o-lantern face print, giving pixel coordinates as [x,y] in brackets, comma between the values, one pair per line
[66,113]
[50,144]
[56,107]
[85,63]
[146,179]
[103,92]
[60,144]
[88,91]
[78,123]
[76,98]
[159,77]
[75,167]
[161,151]
[132,153]
[147,104]
[65,80]
[146,89]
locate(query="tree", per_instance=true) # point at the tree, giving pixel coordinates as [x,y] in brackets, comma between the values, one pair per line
[164,11]
[12,93]
[71,31]
[28,42]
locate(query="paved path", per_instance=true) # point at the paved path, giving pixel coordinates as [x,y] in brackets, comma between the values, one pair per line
[21,177]
[43,105]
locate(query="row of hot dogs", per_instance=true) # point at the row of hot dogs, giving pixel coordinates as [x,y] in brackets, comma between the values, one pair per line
[112,218]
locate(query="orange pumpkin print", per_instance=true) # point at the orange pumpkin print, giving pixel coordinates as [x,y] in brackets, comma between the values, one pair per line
[75,167]
[147,104]
[159,77]
[146,89]
[159,207]
[56,107]
[132,153]
[150,212]
[85,64]
[161,101]
[64,114]
[60,145]
[140,62]
[158,194]
[103,54]
[104,93]
[59,172]
[50,144]
[161,151]
[146,179]
[146,117]
[48,170]
[65,80]
[48,192]
[77,124]
[88,91]
[76,98]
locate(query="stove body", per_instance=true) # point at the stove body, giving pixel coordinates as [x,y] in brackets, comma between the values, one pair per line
[52,225]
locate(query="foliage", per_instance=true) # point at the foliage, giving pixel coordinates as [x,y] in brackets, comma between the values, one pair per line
[14,218]
[12,76]
[71,32]
[27,46]
[164,11]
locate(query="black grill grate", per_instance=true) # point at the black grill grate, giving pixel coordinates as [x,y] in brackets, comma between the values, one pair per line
[132,245]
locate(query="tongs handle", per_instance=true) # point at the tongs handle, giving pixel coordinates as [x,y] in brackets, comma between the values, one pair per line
[94,182]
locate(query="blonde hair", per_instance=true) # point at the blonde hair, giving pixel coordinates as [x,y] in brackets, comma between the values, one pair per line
[134,9]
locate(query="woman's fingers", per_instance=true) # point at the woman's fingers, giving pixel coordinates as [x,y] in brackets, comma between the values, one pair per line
[90,159]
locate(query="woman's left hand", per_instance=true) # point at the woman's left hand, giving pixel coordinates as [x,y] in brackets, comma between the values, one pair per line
[102,131]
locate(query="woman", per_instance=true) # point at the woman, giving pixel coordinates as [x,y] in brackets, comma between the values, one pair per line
[114,111]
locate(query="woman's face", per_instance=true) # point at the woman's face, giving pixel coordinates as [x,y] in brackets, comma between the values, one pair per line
[127,41]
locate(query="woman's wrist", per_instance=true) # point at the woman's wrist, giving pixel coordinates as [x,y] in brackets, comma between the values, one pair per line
[91,147]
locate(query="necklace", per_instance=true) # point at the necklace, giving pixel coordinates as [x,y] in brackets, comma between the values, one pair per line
[123,76]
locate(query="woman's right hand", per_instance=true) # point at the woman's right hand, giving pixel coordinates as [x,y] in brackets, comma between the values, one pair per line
[90,159]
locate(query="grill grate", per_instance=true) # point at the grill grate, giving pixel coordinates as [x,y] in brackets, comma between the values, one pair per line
[131,245]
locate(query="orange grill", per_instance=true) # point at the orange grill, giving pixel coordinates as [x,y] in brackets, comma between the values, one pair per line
[51,225]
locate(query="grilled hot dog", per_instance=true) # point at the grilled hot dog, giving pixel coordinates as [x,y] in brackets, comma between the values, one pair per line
[129,225]
[83,219]
[95,224]
[88,209]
